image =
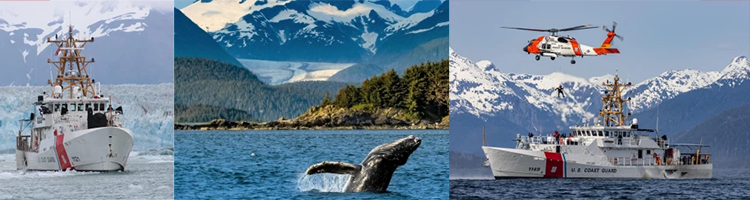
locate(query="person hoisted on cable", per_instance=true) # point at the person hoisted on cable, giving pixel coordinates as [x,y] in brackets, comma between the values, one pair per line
[559,90]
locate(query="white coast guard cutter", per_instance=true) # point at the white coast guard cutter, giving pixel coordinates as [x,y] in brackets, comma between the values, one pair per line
[74,127]
[608,149]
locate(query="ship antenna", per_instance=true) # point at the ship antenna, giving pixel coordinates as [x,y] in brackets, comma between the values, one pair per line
[484,138]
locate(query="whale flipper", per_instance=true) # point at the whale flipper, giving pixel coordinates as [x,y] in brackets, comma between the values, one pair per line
[333,167]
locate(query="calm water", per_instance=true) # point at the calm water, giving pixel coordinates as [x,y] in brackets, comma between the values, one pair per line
[148,176]
[271,164]
[726,184]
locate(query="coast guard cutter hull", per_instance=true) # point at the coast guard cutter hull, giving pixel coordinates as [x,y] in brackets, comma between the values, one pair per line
[515,163]
[607,149]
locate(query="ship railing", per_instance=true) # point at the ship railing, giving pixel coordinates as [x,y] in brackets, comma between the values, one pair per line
[631,161]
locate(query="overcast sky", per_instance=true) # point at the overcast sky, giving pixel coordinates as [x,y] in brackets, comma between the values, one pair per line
[658,36]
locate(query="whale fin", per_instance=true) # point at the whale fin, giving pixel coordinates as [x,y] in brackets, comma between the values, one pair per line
[333,167]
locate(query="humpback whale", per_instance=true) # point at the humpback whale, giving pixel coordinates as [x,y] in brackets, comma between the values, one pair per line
[375,172]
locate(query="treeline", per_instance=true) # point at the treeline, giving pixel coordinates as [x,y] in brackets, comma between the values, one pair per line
[201,81]
[206,113]
[422,91]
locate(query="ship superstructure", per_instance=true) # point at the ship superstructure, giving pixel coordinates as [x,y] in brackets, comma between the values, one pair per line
[612,147]
[74,127]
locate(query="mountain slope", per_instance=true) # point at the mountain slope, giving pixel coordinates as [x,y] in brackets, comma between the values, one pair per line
[521,103]
[367,32]
[727,133]
[192,41]
[133,41]
[207,82]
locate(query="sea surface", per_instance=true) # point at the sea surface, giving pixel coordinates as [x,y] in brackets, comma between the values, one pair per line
[271,164]
[146,176]
[725,184]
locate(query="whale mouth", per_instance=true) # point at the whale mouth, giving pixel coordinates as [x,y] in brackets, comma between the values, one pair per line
[415,141]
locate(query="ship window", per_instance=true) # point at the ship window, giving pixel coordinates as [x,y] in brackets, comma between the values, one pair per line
[588,133]
[600,133]
[96,107]
[57,107]
[101,106]
[72,107]
[88,106]
[648,152]
[80,107]
[606,133]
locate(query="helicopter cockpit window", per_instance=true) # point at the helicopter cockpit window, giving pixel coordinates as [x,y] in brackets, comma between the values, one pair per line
[562,39]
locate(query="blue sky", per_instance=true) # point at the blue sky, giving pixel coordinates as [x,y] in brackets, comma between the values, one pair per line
[658,36]
[404,4]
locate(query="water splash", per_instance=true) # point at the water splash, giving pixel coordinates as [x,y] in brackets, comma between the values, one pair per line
[322,182]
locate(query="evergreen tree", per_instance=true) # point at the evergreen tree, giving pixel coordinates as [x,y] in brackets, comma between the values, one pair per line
[326,99]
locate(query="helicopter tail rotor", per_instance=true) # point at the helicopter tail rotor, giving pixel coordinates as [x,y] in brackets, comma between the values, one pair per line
[610,35]
[614,26]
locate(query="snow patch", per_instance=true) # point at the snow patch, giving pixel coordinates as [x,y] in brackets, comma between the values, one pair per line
[19,18]
[327,12]
[370,39]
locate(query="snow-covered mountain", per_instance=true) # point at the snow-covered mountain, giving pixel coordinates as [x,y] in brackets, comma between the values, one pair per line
[510,103]
[480,89]
[133,39]
[148,111]
[308,30]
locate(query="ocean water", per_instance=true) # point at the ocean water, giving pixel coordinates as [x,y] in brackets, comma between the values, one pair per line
[271,164]
[147,176]
[725,184]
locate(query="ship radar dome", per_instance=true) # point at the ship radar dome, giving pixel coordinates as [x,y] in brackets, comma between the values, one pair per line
[58,90]
[635,121]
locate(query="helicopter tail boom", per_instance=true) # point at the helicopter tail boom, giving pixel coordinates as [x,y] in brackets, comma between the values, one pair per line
[604,51]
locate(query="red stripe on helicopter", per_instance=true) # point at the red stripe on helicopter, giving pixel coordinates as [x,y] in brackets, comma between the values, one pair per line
[576,47]
[62,155]
[554,165]
[602,51]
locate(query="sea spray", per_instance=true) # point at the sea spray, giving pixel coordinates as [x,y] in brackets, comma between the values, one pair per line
[322,182]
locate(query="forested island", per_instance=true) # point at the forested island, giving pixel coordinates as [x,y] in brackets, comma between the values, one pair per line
[418,99]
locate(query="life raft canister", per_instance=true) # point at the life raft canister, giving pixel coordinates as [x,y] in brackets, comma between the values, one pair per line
[55,132]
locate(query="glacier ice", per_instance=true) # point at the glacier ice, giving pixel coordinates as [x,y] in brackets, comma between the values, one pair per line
[148,112]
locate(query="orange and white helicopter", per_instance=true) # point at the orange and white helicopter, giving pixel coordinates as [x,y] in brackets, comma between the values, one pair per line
[554,46]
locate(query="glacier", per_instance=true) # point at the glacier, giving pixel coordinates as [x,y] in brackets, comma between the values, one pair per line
[148,110]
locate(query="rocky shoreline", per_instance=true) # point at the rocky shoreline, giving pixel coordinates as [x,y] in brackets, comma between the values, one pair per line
[329,118]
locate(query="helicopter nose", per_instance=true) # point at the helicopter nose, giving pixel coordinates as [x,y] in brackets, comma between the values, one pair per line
[526,49]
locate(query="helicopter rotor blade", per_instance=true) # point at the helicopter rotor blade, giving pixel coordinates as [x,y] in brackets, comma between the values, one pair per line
[614,26]
[527,29]
[581,27]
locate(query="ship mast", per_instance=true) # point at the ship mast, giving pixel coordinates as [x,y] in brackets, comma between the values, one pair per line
[611,113]
[71,66]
